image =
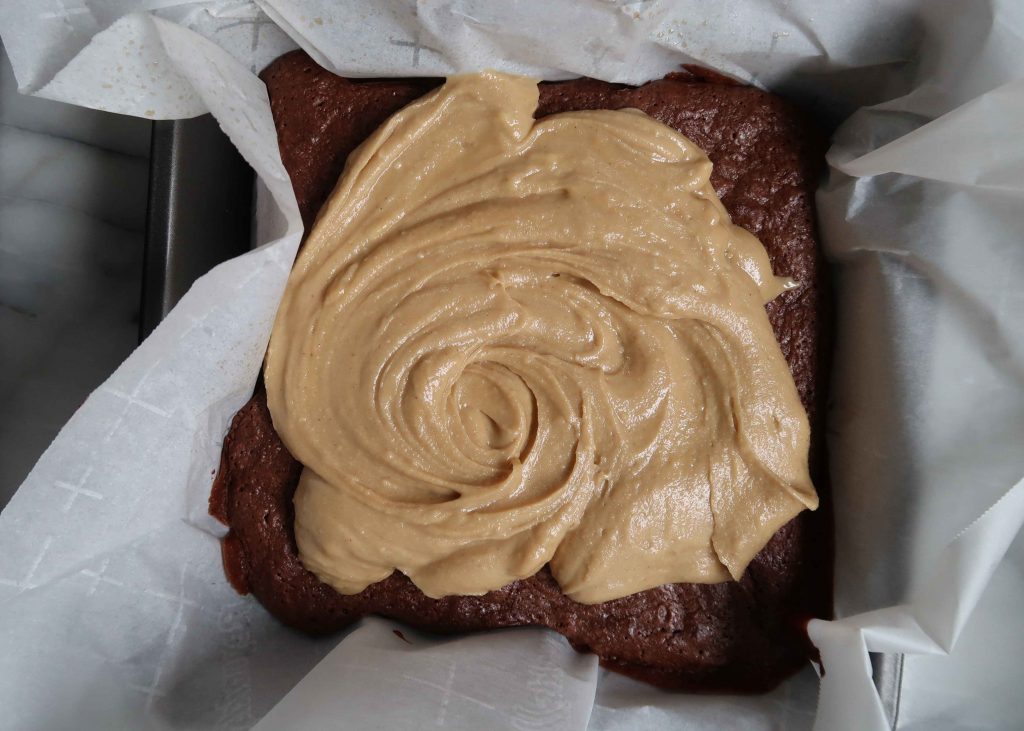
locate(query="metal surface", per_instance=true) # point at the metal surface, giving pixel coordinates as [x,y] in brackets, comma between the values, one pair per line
[887,671]
[200,211]
[200,214]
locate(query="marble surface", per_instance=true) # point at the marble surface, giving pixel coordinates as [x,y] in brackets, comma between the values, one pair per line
[73,190]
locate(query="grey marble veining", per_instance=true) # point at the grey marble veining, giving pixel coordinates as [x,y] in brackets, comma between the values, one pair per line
[73,191]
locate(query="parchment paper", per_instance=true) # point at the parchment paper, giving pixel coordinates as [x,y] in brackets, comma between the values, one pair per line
[113,607]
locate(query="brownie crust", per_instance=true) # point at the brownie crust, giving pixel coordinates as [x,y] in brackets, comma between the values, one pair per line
[742,635]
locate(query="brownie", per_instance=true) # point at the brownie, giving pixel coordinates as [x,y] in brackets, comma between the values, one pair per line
[744,635]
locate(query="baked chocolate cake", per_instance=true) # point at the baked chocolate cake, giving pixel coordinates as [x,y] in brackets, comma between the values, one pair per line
[738,635]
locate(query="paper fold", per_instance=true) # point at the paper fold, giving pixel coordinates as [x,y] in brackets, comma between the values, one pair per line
[928,624]
[111,586]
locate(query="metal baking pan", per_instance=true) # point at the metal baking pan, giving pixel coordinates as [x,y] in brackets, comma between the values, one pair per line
[200,211]
[200,214]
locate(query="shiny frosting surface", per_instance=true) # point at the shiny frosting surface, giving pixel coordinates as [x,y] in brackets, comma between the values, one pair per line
[509,342]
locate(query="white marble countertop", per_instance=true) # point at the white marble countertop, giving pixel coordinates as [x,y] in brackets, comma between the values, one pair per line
[73,194]
[73,191]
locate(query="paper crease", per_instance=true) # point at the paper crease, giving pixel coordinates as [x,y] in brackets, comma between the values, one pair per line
[136,622]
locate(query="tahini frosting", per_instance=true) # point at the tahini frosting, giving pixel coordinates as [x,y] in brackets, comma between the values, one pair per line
[508,343]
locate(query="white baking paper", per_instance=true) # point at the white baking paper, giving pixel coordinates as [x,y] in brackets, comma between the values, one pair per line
[113,607]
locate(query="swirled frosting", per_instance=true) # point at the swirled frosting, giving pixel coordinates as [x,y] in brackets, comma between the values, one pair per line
[508,343]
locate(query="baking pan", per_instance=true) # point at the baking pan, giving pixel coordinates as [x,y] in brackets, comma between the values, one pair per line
[201,213]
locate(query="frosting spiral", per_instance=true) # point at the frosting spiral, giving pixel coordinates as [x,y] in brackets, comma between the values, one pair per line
[508,343]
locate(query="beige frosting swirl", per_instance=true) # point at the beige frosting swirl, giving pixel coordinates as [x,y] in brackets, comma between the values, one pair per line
[510,342]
